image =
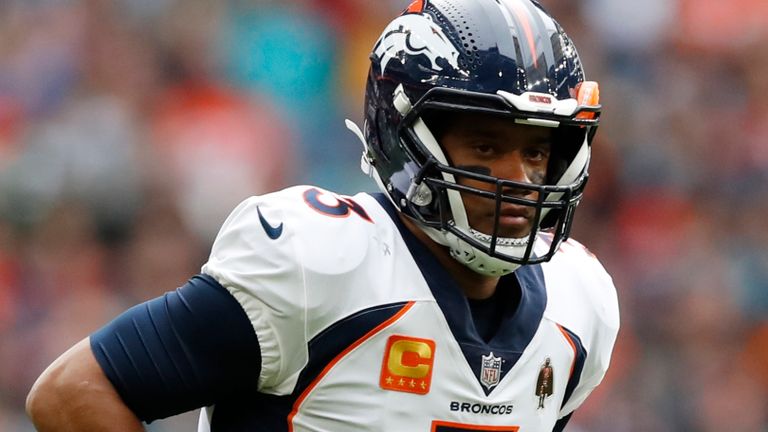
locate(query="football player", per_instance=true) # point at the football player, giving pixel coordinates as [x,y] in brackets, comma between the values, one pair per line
[451,301]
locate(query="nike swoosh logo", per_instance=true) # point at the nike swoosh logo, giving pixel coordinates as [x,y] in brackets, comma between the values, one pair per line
[272,232]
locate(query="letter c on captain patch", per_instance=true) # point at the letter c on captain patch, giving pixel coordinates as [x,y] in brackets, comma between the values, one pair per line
[407,365]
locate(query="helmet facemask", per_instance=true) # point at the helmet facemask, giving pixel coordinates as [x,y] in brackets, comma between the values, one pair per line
[420,67]
[435,202]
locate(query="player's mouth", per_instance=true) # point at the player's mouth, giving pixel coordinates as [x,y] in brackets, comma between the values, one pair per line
[515,217]
[514,221]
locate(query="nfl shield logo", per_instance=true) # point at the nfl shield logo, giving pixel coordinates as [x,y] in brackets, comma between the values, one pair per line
[491,371]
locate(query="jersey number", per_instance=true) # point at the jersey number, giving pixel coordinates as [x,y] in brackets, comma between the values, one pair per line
[343,207]
[440,426]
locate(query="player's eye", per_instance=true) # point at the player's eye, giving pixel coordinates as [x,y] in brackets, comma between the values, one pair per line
[537,154]
[484,149]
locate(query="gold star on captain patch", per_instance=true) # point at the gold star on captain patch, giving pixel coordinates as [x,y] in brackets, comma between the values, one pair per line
[423,385]
[401,382]
[389,380]
[412,383]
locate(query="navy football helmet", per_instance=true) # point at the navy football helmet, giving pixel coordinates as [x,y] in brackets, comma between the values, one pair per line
[497,57]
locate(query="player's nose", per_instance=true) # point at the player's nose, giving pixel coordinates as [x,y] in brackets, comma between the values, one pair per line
[512,167]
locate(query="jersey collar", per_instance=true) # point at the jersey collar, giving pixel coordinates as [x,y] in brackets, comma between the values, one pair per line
[518,326]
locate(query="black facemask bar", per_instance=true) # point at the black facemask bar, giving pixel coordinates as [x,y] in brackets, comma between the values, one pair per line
[564,207]
[431,170]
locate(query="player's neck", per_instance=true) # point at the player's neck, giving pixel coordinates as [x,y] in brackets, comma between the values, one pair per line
[474,285]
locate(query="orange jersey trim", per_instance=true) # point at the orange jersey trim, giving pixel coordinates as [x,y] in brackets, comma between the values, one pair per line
[573,347]
[341,355]
[471,427]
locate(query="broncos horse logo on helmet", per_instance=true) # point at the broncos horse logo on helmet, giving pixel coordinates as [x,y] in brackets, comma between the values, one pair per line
[412,35]
[505,58]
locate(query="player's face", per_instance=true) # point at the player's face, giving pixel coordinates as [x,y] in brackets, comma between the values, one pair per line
[504,149]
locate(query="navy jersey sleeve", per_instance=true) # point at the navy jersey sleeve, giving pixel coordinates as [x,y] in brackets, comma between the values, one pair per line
[184,350]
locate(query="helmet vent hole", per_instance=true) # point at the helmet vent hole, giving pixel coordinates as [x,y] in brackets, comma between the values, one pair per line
[464,35]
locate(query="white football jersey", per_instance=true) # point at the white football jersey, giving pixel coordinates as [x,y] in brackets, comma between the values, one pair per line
[361,329]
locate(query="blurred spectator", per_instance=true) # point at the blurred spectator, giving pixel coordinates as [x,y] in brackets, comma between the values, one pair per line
[214,148]
[720,27]
[87,151]
[159,254]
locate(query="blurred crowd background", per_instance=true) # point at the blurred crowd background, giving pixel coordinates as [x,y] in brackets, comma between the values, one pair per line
[130,128]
